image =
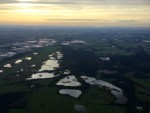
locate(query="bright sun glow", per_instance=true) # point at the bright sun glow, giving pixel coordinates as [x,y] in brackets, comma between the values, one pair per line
[27,0]
[27,8]
[24,5]
[29,11]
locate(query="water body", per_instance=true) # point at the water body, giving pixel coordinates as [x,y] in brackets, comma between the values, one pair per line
[1,71]
[18,61]
[49,65]
[71,92]
[42,76]
[117,92]
[28,58]
[8,66]
[69,81]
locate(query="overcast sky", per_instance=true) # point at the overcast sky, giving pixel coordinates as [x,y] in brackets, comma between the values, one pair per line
[76,12]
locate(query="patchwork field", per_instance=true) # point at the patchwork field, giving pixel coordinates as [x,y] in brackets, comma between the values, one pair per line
[103,74]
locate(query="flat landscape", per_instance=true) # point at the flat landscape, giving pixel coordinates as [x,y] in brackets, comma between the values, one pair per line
[74,70]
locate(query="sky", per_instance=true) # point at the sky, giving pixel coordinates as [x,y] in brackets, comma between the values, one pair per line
[75,12]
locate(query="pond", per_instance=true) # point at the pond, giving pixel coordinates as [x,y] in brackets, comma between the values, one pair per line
[8,66]
[18,61]
[69,81]
[28,58]
[42,76]
[71,92]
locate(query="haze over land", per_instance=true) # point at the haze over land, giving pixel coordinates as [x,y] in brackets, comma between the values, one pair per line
[75,12]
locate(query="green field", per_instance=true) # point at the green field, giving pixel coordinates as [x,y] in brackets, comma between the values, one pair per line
[47,100]
[42,96]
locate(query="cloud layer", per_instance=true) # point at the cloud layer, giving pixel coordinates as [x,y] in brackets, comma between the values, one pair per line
[76,12]
[79,2]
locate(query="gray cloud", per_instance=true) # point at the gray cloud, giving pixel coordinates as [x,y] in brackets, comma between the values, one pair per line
[80,4]
[127,21]
[41,1]
[132,21]
[79,20]
[7,1]
[84,2]
[99,20]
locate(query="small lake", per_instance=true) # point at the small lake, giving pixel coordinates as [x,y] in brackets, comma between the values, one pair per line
[69,81]
[71,92]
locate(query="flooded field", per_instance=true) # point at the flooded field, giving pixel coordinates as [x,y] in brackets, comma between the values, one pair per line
[8,66]
[42,76]
[117,92]
[69,81]
[71,92]
[87,76]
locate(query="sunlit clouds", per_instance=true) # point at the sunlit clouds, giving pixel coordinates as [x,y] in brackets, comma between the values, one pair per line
[75,12]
